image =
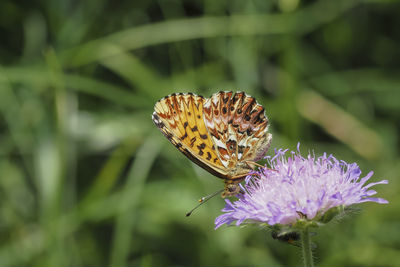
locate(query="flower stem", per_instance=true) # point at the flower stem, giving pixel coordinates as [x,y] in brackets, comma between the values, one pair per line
[306,248]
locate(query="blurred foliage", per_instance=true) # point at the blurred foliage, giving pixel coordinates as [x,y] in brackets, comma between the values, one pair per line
[86,179]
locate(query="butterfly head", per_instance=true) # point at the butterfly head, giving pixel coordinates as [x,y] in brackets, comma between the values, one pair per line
[231,189]
[236,175]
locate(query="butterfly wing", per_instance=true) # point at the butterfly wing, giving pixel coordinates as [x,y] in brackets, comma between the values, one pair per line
[238,127]
[180,118]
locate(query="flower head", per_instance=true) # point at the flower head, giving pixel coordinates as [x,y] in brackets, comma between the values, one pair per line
[295,188]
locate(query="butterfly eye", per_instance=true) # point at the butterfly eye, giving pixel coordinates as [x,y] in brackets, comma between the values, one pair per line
[231,188]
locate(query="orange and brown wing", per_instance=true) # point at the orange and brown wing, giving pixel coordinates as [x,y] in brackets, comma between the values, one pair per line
[180,118]
[238,127]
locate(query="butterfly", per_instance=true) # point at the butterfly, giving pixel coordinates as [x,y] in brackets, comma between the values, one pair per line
[224,134]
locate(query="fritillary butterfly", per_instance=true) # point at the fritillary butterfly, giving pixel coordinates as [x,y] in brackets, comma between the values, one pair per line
[223,134]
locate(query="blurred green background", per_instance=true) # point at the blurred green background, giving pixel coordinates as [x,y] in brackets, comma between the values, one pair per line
[86,179]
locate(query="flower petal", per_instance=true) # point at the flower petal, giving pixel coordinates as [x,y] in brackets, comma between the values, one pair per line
[296,187]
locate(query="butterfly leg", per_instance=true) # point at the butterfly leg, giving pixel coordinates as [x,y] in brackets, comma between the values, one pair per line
[249,163]
[258,165]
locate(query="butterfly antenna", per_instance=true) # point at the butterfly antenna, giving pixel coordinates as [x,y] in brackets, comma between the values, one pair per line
[204,200]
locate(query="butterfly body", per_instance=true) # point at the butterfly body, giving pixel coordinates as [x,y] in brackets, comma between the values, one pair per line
[220,134]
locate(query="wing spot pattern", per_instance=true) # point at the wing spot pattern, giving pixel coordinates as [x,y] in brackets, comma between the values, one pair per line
[184,136]
[201,146]
[192,141]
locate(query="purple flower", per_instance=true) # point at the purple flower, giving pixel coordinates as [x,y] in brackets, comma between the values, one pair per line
[295,188]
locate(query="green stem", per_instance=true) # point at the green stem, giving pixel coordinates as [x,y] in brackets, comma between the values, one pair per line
[306,248]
